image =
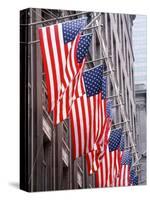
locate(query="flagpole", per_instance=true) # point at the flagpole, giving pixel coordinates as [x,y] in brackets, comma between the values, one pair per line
[49,20]
[113,96]
[98,59]
[109,64]
[116,105]
[55,19]
[120,123]
[38,41]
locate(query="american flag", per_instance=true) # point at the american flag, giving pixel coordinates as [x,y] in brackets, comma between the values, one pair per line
[103,110]
[63,105]
[118,155]
[94,157]
[85,114]
[122,145]
[110,164]
[76,86]
[124,179]
[55,42]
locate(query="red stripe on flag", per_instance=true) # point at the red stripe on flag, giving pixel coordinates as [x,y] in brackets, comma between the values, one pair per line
[90,120]
[72,65]
[88,163]
[84,120]
[51,52]
[59,50]
[45,68]
[101,174]
[65,70]
[111,167]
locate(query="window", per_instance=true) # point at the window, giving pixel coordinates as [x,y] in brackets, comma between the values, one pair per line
[127,103]
[131,117]
[65,178]
[129,67]
[109,35]
[124,91]
[65,153]
[120,74]
[66,132]
[118,25]
[114,51]
[111,89]
[103,20]
[122,36]
[116,111]
[125,54]
[79,176]
[47,164]
[47,129]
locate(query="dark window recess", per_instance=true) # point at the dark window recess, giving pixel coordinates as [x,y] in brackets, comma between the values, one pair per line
[65,153]
[47,164]
[65,178]
[66,132]
[111,89]
[109,35]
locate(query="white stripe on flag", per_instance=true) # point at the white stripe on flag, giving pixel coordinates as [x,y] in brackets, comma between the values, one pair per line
[49,64]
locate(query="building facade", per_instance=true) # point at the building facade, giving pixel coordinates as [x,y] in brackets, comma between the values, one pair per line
[47,162]
[140,49]
[140,75]
[141,110]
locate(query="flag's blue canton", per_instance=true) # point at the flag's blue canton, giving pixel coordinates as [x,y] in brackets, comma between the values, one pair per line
[72,28]
[83,47]
[135,180]
[132,175]
[93,80]
[126,158]
[122,143]
[104,86]
[115,138]
[109,109]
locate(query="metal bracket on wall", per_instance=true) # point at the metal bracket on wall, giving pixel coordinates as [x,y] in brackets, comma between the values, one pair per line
[98,59]
[109,64]
[120,123]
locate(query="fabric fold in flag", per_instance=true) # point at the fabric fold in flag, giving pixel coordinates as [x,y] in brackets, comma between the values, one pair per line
[109,167]
[104,128]
[85,116]
[94,158]
[77,89]
[101,143]
[76,86]
[55,42]
[103,115]
[62,108]
[75,59]
[84,124]
[120,151]
[126,161]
